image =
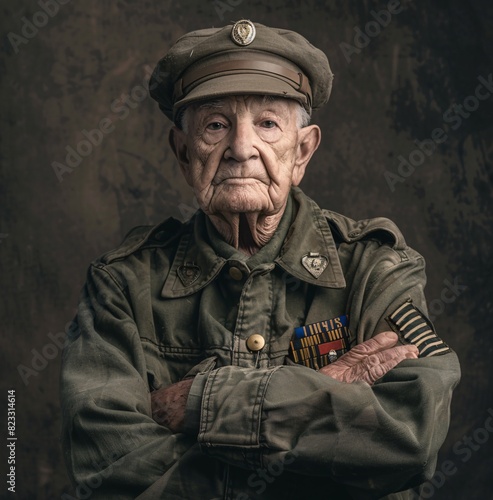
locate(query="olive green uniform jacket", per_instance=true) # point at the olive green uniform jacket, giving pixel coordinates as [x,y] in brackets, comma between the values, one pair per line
[164,305]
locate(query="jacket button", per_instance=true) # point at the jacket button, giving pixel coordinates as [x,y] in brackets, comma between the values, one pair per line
[255,342]
[235,273]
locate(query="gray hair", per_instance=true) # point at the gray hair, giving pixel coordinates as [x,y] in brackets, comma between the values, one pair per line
[182,118]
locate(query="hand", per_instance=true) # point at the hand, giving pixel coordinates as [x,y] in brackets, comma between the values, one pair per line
[168,405]
[370,360]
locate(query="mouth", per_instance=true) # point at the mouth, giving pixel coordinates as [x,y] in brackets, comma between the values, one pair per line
[237,181]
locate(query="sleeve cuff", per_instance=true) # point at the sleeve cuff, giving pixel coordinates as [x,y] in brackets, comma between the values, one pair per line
[194,403]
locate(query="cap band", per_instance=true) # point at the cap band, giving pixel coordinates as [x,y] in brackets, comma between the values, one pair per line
[297,80]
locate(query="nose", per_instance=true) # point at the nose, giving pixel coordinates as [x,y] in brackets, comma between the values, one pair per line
[241,139]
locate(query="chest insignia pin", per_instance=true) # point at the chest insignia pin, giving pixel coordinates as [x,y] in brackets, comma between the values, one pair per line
[315,263]
[188,273]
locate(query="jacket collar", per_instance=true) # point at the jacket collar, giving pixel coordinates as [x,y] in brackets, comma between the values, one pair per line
[308,234]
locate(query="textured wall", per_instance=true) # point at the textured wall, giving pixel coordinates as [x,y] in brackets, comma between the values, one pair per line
[84,67]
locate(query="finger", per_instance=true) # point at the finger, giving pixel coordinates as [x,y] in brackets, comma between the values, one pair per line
[365,358]
[377,370]
[381,342]
[401,352]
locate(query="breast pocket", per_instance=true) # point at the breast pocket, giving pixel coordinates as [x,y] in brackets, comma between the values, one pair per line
[167,364]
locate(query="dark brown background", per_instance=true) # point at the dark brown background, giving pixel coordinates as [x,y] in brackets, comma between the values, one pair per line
[395,91]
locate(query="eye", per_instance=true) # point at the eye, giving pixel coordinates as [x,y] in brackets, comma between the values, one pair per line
[269,124]
[215,126]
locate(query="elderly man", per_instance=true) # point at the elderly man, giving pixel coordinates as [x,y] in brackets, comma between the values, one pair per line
[265,348]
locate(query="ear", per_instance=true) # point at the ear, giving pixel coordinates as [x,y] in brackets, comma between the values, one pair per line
[309,140]
[178,141]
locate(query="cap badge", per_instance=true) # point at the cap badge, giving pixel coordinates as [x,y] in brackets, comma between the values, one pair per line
[243,32]
[315,263]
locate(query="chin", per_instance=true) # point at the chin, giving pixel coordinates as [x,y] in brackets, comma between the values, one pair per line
[239,199]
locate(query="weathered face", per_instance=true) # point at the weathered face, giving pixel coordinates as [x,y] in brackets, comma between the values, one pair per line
[242,153]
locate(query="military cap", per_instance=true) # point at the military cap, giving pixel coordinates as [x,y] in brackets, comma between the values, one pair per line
[244,58]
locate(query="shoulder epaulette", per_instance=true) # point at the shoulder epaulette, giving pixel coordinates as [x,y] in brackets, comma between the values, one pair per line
[379,228]
[142,237]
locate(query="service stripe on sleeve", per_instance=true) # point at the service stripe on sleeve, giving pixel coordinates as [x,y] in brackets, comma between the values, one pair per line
[417,329]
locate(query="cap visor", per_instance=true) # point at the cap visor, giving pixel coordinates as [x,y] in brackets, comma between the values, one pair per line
[241,84]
